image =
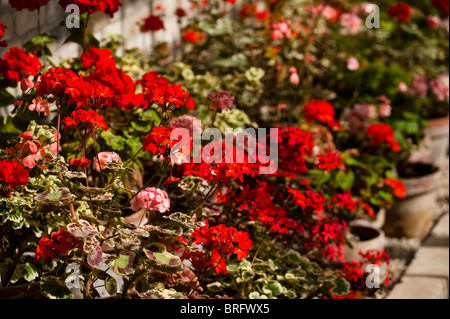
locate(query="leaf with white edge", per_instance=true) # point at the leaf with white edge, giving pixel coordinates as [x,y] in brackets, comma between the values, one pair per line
[123,265]
[341,286]
[182,219]
[95,257]
[162,257]
[83,229]
[100,197]
[29,272]
[257,295]
[172,232]
[61,194]
[111,286]
[71,174]
[56,289]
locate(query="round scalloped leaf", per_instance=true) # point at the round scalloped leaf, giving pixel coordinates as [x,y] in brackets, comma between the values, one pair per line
[123,265]
[95,257]
[61,194]
[162,257]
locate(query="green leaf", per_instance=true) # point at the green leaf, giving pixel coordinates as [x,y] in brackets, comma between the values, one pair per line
[162,257]
[341,286]
[56,289]
[123,265]
[111,286]
[61,194]
[5,99]
[345,180]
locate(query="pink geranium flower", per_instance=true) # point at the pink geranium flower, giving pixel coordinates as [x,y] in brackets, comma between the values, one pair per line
[106,158]
[151,198]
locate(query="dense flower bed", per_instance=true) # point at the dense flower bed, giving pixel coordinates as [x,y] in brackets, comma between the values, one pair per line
[94,174]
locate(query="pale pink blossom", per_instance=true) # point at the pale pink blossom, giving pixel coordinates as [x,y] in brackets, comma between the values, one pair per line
[151,198]
[26,84]
[39,105]
[191,123]
[434,21]
[352,63]
[281,30]
[106,158]
[440,87]
[221,100]
[350,23]
[294,78]
[330,13]
[419,86]
[365,110]
[402,87]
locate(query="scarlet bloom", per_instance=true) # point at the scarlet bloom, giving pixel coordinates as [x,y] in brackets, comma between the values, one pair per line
[97,57]
[380,134]
[18,64]
[27,4]
[107,6]
[331,160]
[2,34]
[194,36]
[152,23]
[397,186]
[401,11]
[91,117]
[321,111]
[157,141]
[59,82]
[12,174]
[81,162]
[442,5]
[221,241]
[57,245]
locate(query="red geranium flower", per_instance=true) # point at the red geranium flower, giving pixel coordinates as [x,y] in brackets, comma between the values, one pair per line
[2,34]
[331,160]
[152,23]
[221,241]
[442,5]
[397,186]
[81,162]
[57,245]
[107,6]
[382,134]
[321,111]
[82,116]
[18,64]
[59,82]
[12,174]
[98,58]
[157,141]
[27,4]
[401,11]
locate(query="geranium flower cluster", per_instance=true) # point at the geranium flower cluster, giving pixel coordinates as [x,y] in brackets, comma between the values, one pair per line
[58,245]
[151,198]
[382,135]
[30,150]
[294,146]
[3,27]
[31,5]
[92,6]
[17,65]
[322,112]
[219,242]
[12,175]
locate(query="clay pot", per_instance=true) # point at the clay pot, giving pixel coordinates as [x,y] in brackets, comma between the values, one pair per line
[438,131]
[366,238]
[377,222]
[412,216]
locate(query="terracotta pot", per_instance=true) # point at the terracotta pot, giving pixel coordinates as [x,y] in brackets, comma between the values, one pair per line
[438,131]
[412,216]
[28,291]
[367,238]
[377,222]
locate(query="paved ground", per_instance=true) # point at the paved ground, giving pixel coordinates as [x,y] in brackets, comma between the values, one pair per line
[427,276]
